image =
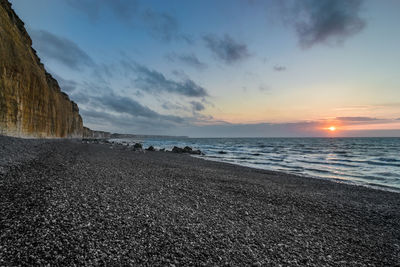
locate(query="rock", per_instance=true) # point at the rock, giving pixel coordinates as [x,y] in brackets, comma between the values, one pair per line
[222,152]
[162,149]
[196,152]
[176,149]
[137,146]
[150,148]
[186,149]
[31,101]
[91,134]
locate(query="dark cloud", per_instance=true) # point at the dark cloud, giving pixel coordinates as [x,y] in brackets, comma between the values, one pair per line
[164,27]
[124,123]
[321,21]
[51,46]
[279,68]
[188,59]
[154,81]
[355,119]
[126,105]
[226,49]
[197,106]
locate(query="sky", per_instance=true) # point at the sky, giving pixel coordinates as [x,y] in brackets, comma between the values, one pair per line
[225,68]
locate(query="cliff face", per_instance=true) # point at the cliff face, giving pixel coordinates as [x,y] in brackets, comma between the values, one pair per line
[31,102]
[91,134]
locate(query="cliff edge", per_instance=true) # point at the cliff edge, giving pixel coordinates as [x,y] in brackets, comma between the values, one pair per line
[31,101]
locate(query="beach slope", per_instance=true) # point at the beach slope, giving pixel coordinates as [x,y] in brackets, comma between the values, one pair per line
[63,203]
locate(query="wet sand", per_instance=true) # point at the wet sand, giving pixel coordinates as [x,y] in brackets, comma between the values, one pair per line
[64,203]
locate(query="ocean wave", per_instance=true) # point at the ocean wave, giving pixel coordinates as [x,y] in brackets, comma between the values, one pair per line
[364,160]
[328,163]
[389,159]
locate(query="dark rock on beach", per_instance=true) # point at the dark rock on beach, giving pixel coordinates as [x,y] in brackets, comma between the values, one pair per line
[186,149]
[64,203]
[150,148]
[222,152]
[176,149]
[137,146]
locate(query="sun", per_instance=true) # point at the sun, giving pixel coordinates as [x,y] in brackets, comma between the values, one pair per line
[332,128]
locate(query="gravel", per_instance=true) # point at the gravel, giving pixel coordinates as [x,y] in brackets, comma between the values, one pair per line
[67,203]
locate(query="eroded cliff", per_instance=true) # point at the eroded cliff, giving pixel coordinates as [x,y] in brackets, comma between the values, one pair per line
[91,134]
[31,102]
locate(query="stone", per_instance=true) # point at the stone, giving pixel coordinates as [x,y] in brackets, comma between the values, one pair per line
[31,101]
[176,149]
[150,148]
[137,146]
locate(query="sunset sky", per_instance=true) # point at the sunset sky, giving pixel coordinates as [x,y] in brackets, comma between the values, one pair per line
[224,68]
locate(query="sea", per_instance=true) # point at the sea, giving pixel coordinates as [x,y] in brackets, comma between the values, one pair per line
[373,162]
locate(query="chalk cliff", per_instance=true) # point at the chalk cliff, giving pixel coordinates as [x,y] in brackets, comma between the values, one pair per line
[31,101]
[91,134]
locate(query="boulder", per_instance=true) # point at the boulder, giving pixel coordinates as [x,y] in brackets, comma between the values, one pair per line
[178,150]
[186,149]
[137,146]
[150,148]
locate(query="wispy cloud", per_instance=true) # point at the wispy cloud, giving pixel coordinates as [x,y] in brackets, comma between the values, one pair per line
[226,49]
[131,107]
[188,59]
[279,68]
[66,85]
[123,9]
[60,49]
[354,119]
[161,25]
[324,21]
[155,82]
[197,106]
[164,27]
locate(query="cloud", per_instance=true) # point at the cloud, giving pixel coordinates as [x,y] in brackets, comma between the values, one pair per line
[128,106]
[279,68]
[188,59]
[325,21]
[123,123]
[167,105]
[66,85]
[123,9]
[197,106]
[154,81]
[164,27]
[356,119]
[61,49]
[263,87]
[224,129]
[226,49]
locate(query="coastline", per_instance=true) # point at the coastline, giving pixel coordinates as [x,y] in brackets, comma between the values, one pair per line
[334,180]
[64,202]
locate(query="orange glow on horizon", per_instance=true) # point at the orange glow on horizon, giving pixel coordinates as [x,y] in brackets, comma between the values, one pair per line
[330,128]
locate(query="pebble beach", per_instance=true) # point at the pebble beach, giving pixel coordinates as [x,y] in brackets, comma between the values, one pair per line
[64,202]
